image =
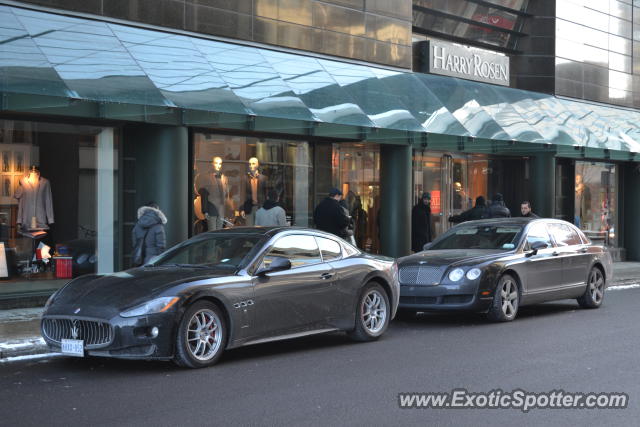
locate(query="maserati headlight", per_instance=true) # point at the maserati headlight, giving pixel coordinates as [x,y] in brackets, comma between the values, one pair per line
[456,274]
[50,300]
[157,305]
[474,273]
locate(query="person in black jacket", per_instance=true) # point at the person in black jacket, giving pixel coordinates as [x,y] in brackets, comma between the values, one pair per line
[525,210]
[479,211]
[330,216]
[497,208]
[421,223]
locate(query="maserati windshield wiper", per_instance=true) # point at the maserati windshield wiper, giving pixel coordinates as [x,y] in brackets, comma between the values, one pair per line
[185,265]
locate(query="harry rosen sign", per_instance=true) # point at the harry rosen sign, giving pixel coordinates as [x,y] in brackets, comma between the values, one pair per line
[468,63]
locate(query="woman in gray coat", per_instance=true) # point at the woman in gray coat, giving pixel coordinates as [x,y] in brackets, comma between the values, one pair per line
[148,234]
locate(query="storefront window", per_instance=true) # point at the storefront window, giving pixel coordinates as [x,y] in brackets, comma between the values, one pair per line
[356,172]
[596,201]
[58,204]
[235,176]
[453,181]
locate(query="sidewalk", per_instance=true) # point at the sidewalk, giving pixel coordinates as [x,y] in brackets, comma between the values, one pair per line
[20,327]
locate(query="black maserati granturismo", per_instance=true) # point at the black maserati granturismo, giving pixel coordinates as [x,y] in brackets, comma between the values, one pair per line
[225,289]
[497,265]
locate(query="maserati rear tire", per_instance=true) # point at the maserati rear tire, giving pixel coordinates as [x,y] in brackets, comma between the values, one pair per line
[373,313]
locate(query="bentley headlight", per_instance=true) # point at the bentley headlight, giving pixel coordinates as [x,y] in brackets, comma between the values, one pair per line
[157,305]
[456,274]
[474,273]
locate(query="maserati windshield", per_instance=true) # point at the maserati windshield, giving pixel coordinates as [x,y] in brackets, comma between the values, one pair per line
[493,236]
[219,251]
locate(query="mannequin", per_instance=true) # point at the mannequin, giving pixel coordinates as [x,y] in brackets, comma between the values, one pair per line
[213,190]
[256,188]
[35,204]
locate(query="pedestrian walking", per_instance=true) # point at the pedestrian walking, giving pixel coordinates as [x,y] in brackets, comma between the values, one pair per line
[148,234]
[479,211]
[330,216]
[525,209]
[497,208]
[271,214]
[421,223]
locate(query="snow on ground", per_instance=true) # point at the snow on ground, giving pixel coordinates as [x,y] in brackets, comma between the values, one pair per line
[29,357]
[623,287]
[20,314]
[21,343]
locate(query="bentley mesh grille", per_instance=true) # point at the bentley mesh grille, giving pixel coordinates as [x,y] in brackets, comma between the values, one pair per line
[420,275]
[93,333]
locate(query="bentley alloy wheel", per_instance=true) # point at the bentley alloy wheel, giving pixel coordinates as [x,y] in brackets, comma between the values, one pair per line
[505,300]
[594,293]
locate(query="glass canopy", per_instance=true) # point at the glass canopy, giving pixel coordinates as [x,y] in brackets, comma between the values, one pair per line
[101,69]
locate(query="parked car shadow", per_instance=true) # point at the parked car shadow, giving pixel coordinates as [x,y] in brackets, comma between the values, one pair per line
[454,319]
[309,344]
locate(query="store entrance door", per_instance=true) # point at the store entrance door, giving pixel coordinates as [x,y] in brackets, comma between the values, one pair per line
[453,180]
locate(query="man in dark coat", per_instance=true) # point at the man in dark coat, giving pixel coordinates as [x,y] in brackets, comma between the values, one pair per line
[525,210]
[330,216]
[148,233]
[479,211]
[497,208]
[421,223]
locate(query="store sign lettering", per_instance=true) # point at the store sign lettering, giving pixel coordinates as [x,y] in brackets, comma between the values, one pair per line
[468,63]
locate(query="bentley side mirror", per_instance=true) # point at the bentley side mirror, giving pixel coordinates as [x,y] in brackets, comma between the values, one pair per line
[536,246]
[427,246]
[278,263]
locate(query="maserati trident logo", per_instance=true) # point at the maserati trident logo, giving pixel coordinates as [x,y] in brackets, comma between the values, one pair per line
[75,329]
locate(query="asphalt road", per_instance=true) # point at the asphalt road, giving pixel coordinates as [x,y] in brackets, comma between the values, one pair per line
[327,380]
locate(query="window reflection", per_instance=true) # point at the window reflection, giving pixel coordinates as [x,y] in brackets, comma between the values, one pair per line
[596,201]
[235,176]
[356,172]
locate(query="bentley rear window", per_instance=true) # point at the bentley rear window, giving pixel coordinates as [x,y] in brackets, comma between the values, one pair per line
[479,237]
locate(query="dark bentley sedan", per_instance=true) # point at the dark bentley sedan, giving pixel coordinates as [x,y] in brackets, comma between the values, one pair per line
[497,265]
[225,289]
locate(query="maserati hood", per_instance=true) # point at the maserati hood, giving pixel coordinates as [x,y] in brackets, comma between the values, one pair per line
[110,293]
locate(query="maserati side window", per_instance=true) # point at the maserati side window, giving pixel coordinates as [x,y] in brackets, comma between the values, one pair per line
[538,233]
[299,249]
[330,249]
[564,236]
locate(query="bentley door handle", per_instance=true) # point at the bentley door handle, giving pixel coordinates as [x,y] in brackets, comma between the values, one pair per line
[326,276]
[555,253]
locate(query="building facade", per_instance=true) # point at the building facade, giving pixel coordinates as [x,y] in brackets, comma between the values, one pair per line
[205,106]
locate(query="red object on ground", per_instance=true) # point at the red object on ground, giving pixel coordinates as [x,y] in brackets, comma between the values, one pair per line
[64,267]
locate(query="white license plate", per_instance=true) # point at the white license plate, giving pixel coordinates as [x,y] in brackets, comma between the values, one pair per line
[73,347]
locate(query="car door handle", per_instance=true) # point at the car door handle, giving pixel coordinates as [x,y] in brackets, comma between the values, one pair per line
[555,253]
[583,250]
[326,276]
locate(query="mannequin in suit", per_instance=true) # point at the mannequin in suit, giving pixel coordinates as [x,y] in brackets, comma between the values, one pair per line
[256,189]
[213,190]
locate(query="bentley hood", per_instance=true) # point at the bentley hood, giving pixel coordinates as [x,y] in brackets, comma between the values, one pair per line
[104,295]
[444,257]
